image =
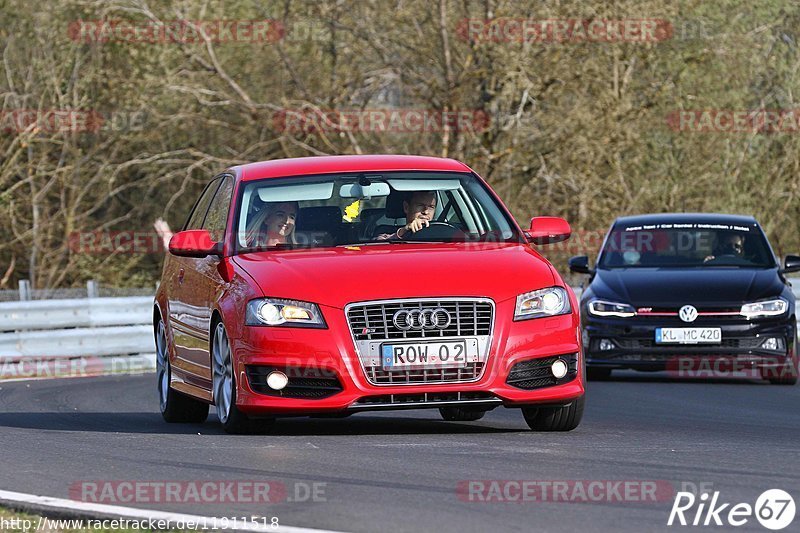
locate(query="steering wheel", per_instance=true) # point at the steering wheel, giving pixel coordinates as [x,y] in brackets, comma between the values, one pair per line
[434,232]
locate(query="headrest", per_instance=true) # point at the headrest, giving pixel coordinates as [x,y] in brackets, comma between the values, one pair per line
[373,213]
[394,204]
[321,218]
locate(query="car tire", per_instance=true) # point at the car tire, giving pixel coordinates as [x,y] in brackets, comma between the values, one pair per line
[597,374]
[558,418]
[461,414]
[232,419]
[175,407]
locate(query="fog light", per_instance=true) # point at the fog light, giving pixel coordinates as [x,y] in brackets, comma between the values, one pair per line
[559,368]
[772,343]
[277,380]
[606,345]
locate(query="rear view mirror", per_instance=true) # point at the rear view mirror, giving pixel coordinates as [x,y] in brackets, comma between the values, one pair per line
[548,230]
[365,192]
[194,243]
[791,264]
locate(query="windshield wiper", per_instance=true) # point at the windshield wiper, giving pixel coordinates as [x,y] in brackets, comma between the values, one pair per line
[279,246]
[390,241]
[729,265]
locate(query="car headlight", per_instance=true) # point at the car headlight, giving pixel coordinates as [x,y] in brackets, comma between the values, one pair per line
[544,302]
[281,312]
[604,308]
[774,307]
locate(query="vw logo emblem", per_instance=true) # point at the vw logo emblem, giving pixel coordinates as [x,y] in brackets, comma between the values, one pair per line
[688,313]
[419,319]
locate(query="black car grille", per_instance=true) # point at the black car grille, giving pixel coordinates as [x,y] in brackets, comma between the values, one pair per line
[634,344]
[374,320]
[432,375]
[535,373]
[424,397]
[704,311]
[304,383]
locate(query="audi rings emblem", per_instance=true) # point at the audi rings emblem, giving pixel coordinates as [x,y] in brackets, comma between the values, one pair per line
[419,319]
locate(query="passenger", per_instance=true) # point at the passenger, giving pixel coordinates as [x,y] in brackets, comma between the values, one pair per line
[419,209]
[274,224]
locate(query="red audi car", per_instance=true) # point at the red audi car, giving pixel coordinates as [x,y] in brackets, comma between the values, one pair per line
[332,285]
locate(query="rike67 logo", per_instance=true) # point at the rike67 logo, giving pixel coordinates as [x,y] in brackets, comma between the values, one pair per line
[774,509]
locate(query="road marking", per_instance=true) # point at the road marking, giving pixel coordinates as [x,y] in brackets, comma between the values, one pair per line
[40,504]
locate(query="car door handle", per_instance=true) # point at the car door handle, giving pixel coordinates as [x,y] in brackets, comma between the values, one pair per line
[181,273]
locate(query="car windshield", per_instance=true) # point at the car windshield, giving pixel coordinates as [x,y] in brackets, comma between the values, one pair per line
[368,208]
[686,245]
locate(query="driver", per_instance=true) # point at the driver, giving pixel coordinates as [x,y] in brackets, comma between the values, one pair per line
[732,244]
[419,209]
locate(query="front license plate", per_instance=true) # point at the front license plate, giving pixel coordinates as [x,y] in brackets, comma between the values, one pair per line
[688,335]
[451,354]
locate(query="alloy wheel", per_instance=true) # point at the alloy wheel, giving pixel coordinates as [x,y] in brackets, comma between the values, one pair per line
[162,366]
[223,373]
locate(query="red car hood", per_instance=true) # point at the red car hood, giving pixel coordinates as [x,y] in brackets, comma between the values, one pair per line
[338,276]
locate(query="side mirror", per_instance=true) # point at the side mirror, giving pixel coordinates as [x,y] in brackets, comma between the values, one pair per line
[579,264]
[791,263]
[548,230]
[194,243]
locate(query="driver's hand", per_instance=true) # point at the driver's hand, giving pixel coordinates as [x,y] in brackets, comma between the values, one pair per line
[417,224]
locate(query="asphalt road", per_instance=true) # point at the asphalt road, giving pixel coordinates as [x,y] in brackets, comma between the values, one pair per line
[399,471]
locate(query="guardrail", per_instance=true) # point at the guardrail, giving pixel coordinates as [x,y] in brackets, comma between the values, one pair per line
[76,313]
[47,337]
[93,289]
[106,335]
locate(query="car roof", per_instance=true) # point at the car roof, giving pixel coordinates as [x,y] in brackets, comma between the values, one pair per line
[307,166]
[686,218]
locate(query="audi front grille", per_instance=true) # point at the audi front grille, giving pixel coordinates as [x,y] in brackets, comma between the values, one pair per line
[427,319]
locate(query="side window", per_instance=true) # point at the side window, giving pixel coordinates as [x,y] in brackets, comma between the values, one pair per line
[217,217]
[199,213]
[451,211]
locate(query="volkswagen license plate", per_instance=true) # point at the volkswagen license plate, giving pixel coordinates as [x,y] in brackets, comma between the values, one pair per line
[450,354]
[688,335]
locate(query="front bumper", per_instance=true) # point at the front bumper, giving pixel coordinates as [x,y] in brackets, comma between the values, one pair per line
[630,343]
[329,354]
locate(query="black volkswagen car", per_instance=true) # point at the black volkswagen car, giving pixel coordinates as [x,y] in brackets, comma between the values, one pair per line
[689,292]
